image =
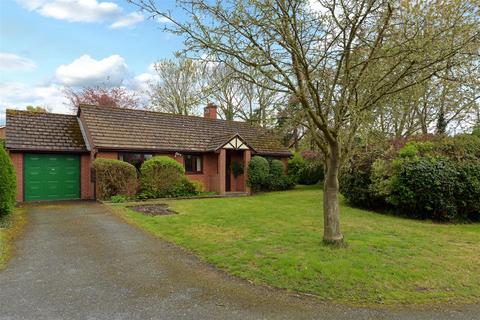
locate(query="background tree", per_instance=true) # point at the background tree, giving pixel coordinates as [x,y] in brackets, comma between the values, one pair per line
[102,96]
[181,88]
[36,109]
[339,61]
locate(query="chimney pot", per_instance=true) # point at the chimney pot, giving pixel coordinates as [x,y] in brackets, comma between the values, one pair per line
[210,111]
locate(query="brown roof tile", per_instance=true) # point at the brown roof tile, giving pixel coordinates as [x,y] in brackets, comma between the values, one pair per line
[36,131]
[128,129]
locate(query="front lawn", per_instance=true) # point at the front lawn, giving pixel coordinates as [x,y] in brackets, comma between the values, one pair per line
[276,239]
[10,226]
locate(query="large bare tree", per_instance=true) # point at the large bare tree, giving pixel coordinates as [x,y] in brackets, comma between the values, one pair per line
[338,58]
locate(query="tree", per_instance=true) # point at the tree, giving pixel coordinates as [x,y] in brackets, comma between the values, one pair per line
[102,96]
[339,60]
[36,109]
[181,88]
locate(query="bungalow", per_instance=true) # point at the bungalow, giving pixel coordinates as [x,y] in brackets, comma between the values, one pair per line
[53,153]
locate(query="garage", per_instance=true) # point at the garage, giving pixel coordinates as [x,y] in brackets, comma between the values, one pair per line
[51,177]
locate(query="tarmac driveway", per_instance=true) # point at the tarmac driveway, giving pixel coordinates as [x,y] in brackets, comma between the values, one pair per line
[77,261]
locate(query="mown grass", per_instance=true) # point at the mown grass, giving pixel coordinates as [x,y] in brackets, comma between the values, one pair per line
[276,239]
[10,226]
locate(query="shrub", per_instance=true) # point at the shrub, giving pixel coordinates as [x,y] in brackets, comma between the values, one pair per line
[159,175]
[313,171]
[8,184]
[295,166]
[184,188]
[199,188]
[258,174]
[119,198]
[114,177]
[279,180]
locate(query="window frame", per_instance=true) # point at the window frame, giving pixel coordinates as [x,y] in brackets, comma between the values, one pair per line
[194,156]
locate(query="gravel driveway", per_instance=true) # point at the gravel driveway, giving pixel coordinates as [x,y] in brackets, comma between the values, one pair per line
[77,261]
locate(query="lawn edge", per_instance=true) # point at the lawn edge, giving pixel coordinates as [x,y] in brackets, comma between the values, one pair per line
[18,220]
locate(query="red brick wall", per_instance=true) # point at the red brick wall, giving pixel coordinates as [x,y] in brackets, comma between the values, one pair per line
[86,186]
[17,159]
[108,155]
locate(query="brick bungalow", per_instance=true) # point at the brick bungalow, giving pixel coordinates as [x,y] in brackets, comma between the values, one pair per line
[53,153]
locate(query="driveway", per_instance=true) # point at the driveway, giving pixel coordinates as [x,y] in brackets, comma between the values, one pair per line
[77,261]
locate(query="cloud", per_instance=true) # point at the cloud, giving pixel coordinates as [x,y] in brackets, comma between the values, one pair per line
[83,11]
[162,19]
[86,71]
[11,61]
[128,20]
[15,95]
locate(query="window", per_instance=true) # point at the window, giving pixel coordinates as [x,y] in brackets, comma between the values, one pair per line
[193,163]
[135,159]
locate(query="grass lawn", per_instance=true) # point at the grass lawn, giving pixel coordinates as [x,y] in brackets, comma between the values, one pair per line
[276,239]
[10,226]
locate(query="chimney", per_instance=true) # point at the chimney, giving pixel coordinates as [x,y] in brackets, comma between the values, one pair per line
[210,111]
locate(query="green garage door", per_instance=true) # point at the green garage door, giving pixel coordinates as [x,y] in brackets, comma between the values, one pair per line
[51,177]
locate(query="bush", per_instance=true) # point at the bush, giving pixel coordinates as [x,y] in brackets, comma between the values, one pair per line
[159,175]
[119,198]
[295,166]
[114,177]
[279,180]
[199,188]
[185,188]
[8,185]
[258,174]
[313,171]
[429,178]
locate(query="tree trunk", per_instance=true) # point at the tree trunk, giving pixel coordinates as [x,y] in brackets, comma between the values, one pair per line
[331,210]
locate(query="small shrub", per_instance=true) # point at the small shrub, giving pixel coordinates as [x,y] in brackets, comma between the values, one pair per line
[258,174]
[279,180]
[313,171]
[159,175]
[184,188]
[8,184]
[199,188]
[114,177]
[295,166]
[119,198]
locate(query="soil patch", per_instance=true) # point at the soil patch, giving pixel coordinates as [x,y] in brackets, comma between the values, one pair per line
[160,209]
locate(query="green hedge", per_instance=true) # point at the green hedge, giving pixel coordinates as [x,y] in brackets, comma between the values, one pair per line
[114,177]
[263,175]
[162,176]
[436,178]
[8,185]
[258,173]
[306,168]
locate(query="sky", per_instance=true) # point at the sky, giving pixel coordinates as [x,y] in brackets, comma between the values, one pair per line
[46,45]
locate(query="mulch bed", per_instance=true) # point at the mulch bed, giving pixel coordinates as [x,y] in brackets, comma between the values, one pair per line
[160,209]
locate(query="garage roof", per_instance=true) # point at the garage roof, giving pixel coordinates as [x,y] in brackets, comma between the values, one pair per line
[40,131]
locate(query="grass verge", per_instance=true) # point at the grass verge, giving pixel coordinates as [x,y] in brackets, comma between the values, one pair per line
[10,226]
[276,239]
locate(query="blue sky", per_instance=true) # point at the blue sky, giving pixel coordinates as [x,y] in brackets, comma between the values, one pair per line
[48,44]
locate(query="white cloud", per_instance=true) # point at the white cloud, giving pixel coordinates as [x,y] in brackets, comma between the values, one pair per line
[129,20]
[83,11]
[162,19]
[15,95]
[86,71]
[11,61]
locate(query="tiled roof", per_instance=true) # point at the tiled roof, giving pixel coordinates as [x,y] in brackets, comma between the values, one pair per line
[37,131]
[128,129]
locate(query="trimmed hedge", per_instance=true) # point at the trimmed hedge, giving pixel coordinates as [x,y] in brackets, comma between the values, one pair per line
[115,177]
[8,185]
[258,174]
[162,176]
[268,176]
[434,178]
